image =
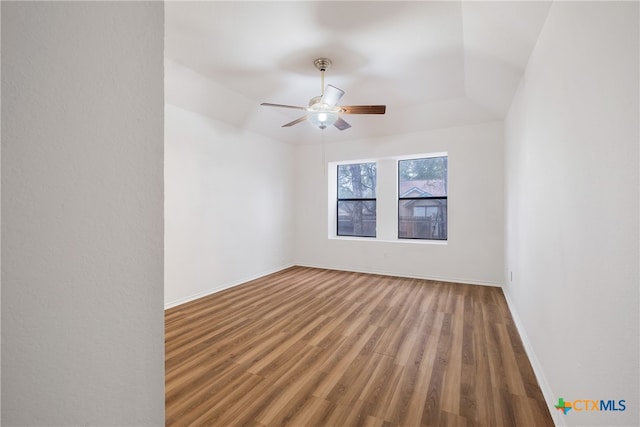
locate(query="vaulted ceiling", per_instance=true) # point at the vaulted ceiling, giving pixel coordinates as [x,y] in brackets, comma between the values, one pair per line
[435,64]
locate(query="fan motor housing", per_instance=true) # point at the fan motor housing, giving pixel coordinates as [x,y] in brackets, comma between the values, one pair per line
[315,100]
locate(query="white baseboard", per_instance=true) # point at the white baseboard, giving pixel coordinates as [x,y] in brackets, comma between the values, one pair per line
[222,287]
[228,285]
[548,394]
[396,274]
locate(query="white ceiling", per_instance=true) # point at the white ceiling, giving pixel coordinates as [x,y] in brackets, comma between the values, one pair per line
[434,64]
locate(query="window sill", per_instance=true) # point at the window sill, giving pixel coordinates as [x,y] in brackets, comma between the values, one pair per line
[403,241]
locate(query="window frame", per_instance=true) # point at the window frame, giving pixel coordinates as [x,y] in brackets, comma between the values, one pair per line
[355,199]
[401,199]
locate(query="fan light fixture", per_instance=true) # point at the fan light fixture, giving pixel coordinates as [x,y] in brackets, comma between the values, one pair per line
[322,115]
[323,110]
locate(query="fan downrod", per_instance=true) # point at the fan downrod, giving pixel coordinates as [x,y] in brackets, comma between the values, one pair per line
[322,64]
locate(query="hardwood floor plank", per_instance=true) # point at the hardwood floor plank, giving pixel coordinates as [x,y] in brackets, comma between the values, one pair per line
[340,362]
[381,403]
[314,347]
[311,413]
[452,377]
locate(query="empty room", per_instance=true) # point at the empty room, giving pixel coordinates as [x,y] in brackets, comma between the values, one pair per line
[320,213]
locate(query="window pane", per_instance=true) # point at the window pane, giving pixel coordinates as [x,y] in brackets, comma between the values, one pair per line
[412,224]
[423,177]
[357,181]
[419,211]
[357,218]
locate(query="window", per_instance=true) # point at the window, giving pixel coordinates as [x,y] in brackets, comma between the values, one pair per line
[356,208]
[422,198]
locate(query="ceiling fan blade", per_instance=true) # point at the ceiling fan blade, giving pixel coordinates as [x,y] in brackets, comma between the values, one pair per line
[363,109]
[341,124]
[295,122]
[332,95]
[268,104]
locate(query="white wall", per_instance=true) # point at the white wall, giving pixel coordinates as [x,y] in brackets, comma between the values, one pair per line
[572,208]
[228,197]
[0,217]
[474,252]
[82,228]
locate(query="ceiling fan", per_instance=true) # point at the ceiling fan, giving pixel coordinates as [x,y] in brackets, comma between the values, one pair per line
[323,110]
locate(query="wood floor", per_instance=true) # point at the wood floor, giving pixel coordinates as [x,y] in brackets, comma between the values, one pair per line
[312,347]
